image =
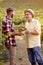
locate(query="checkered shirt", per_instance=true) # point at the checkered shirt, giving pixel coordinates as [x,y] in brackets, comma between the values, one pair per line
[7,26]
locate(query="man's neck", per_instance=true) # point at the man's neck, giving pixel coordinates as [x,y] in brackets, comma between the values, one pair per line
[29,21]
[8,17]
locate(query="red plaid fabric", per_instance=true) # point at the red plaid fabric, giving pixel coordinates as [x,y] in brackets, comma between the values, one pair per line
[6,28]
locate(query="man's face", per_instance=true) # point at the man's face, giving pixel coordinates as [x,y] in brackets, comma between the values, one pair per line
[28,16]
[12,14]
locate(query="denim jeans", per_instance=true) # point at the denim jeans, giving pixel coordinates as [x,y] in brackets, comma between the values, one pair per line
[34,55]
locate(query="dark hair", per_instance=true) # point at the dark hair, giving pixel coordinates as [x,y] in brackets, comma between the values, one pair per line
[9,10]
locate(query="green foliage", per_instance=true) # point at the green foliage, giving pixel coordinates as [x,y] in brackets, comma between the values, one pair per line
[5,54]
[1,63]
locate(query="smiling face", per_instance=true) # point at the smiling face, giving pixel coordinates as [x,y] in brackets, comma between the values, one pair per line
[28,16]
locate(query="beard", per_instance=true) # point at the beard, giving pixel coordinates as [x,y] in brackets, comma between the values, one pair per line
[12,16]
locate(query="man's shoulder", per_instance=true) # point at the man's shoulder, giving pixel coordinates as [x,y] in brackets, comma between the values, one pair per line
[6,20]
[36,21]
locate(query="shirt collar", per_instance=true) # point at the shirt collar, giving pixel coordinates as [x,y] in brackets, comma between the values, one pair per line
[33,19]
[8,18]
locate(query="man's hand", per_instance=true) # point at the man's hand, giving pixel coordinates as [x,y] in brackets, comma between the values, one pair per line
[27,32]
[20,33]
[17,33]
[32,32]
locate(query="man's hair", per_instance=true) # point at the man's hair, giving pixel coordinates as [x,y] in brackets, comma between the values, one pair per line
[9,10]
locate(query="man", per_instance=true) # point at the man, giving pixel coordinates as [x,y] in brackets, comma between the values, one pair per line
[9,33]
[33,38]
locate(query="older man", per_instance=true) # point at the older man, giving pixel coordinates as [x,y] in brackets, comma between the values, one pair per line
[33,38]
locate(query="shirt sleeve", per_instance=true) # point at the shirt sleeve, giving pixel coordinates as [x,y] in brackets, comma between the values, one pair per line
[37,27]
[5,27]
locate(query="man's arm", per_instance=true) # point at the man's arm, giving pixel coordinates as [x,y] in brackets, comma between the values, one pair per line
[17,33]
[34,32]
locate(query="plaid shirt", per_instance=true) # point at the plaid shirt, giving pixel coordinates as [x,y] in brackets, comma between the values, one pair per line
[7,27]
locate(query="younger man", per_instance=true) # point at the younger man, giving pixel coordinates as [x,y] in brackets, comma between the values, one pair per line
[9,33]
